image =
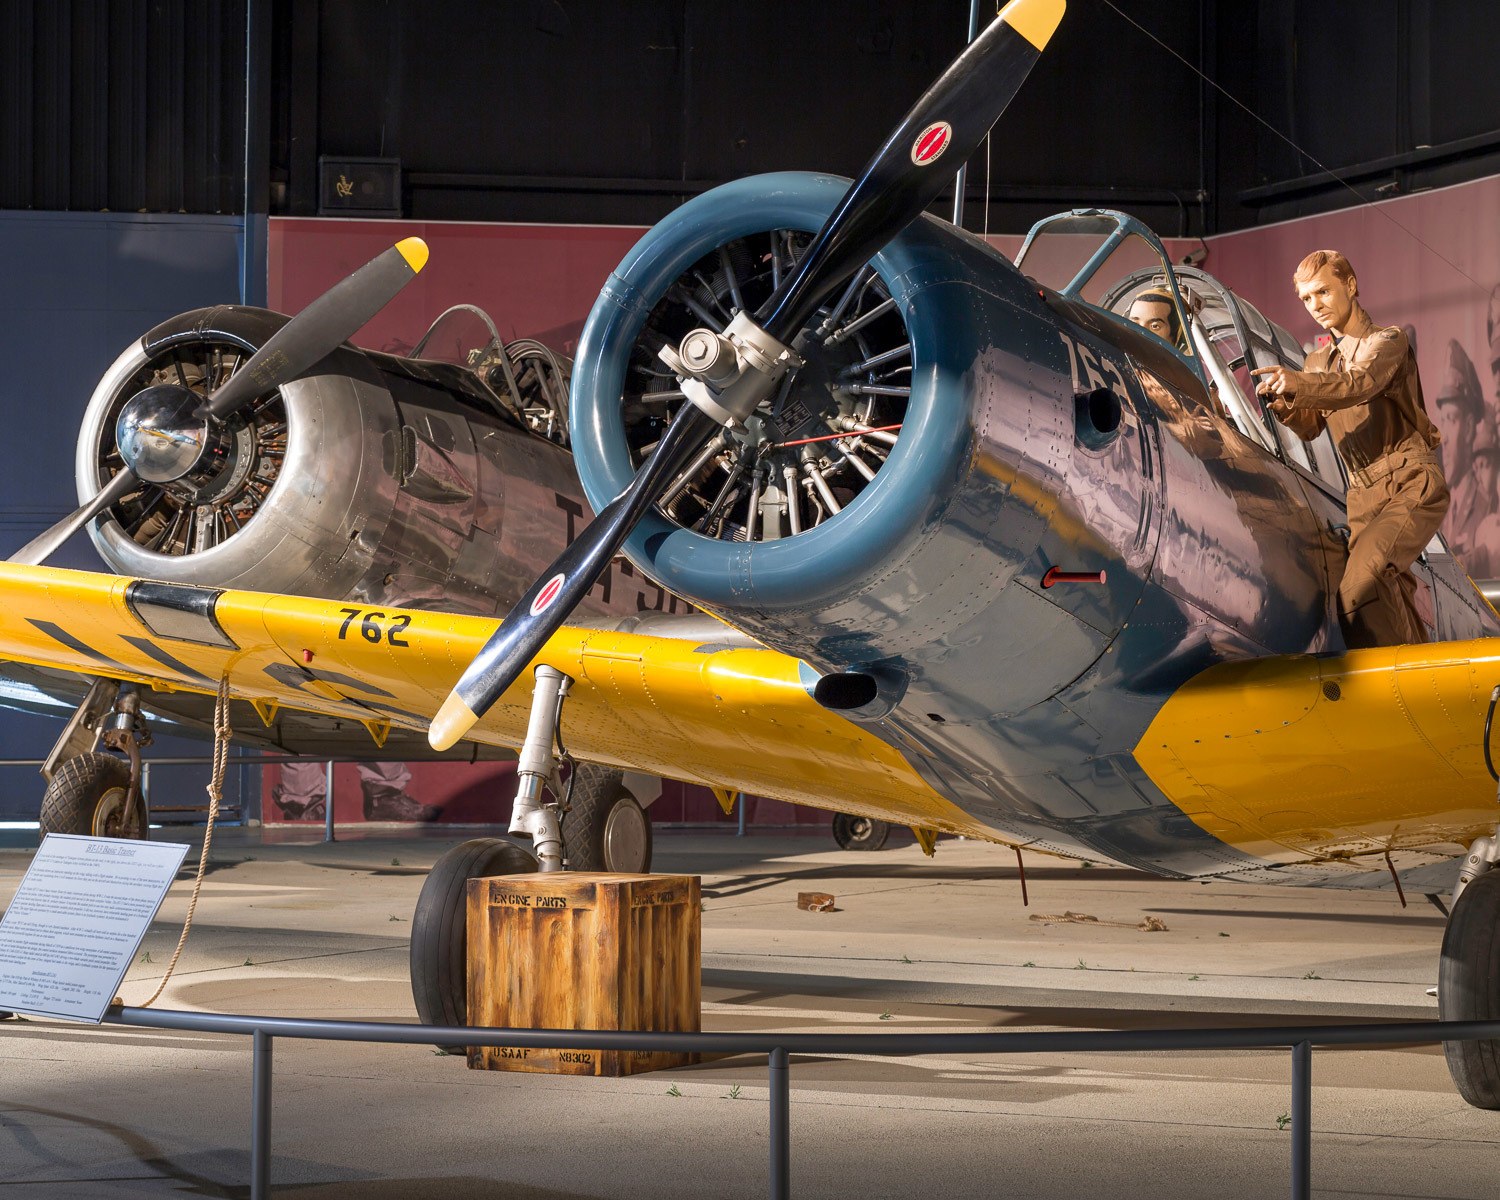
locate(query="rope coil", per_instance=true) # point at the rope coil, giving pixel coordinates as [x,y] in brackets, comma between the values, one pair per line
[222,732]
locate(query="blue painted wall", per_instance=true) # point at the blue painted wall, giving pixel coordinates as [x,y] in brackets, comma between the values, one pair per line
[75,290]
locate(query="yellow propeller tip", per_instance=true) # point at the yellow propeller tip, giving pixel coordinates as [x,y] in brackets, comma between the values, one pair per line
[453,720]
[414,250]
[1034,20]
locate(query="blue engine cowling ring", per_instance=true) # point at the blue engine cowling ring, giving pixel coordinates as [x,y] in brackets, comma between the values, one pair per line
[820,565]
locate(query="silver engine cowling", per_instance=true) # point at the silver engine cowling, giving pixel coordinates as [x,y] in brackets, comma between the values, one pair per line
[384,480]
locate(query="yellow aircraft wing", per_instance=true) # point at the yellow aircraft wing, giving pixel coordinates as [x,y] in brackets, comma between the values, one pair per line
[720,716]
[1297,757]
[1272,756]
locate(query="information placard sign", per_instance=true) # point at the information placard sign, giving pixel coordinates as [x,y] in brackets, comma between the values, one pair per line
[79,915]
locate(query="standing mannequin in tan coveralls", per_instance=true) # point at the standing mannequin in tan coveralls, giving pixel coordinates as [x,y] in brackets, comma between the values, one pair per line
[1364,389]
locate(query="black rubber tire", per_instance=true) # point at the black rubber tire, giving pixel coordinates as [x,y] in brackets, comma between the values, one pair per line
[77,789]
[859,833]
[440,928]
[600,798]
[1469,988]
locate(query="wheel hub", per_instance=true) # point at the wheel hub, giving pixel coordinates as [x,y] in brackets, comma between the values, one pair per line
[114,818]
[625,837]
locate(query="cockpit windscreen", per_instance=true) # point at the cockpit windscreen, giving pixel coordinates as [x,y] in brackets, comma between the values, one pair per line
[1085,255]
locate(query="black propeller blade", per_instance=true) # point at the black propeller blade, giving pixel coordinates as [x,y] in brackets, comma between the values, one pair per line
[542,610]
[319,329]
[947,123]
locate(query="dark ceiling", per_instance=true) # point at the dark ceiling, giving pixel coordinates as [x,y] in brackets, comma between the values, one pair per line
[588,110]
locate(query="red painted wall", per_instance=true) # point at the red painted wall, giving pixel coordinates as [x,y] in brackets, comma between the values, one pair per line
[535,281]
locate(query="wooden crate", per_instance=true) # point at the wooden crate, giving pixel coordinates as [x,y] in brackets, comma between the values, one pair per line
[584,950]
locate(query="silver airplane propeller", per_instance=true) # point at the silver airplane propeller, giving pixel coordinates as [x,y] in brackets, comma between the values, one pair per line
[167,432]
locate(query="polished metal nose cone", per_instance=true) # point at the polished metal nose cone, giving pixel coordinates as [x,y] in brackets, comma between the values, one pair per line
[158,435]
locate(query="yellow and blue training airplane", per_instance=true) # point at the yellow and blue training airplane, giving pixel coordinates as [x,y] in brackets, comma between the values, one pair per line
[981,555]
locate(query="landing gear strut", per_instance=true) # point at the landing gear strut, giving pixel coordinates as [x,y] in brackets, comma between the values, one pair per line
[95,794]
[611,832]
[593,823]
[532,816]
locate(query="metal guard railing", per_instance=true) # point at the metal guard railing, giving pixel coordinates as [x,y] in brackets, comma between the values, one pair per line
[779,1047]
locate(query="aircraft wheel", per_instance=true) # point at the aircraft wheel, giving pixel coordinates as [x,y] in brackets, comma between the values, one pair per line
[88,796]
[606,829]
[859,833]
[440,930]
[1469,988]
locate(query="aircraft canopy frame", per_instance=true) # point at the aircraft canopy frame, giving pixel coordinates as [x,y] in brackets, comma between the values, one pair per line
[1080,255]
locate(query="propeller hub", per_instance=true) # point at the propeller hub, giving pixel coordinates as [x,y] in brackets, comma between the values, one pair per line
[162,441]
[709,356]
[728,374]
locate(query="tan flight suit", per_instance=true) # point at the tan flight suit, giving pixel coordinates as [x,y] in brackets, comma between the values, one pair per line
[1364,389]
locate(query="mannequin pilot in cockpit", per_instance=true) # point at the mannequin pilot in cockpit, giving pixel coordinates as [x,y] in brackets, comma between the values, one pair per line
[1156,311]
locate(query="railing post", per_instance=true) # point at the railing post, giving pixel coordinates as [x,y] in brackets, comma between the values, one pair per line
[1302,1121]
[781,1126]
[328,802]
[260,1116]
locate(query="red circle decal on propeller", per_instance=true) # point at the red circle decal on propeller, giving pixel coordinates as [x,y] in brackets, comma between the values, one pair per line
[931,143]
[548,594]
